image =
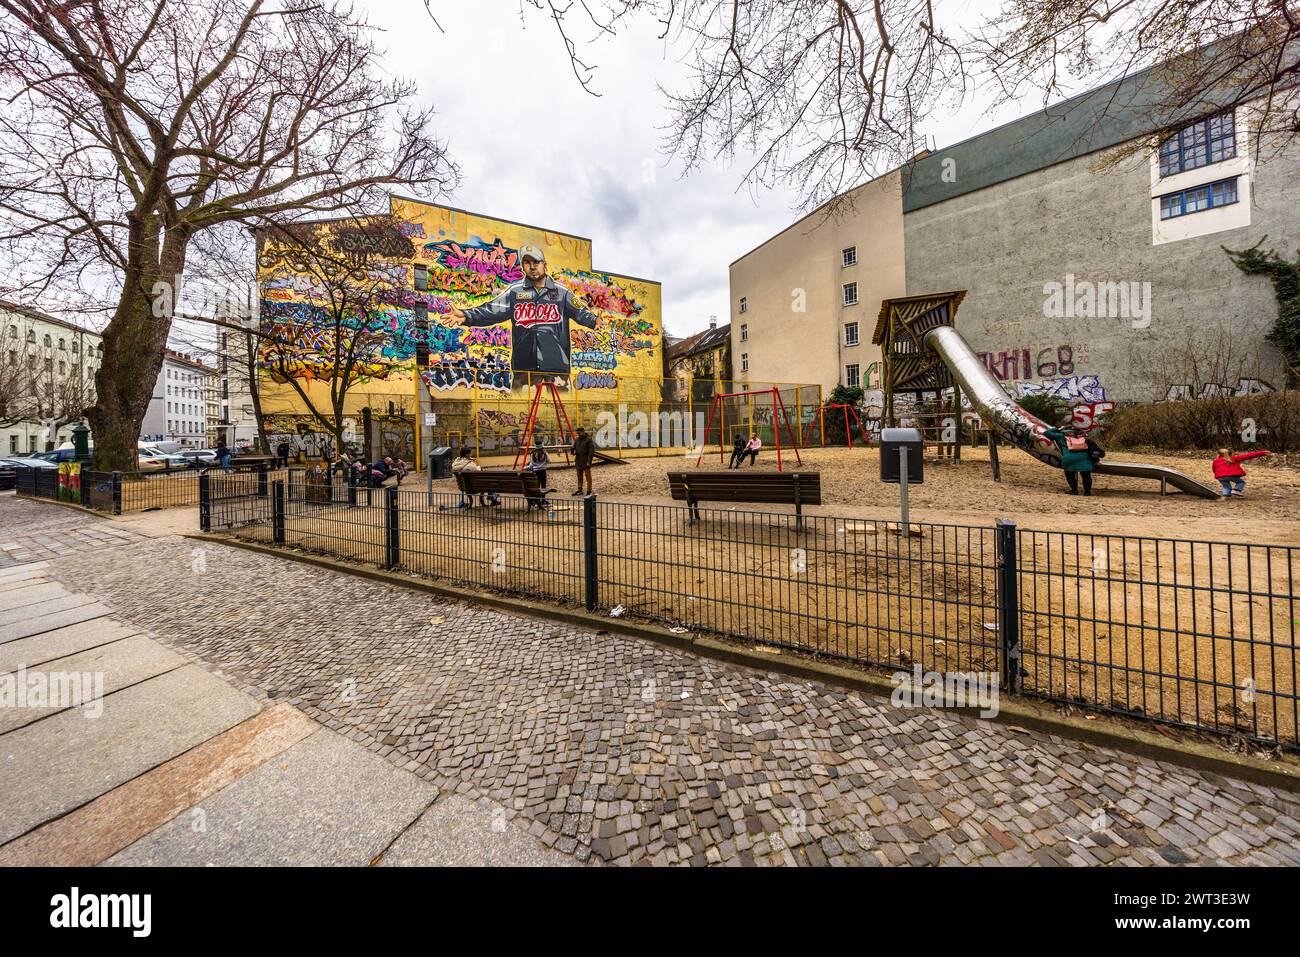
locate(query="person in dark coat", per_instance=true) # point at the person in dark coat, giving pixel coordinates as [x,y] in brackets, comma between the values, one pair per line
[282,453]
[739,450]
[584,450]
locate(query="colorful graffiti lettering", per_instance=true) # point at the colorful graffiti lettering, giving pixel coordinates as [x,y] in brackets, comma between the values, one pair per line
[484,373]
[599,292]
[1088,415]
[470,283]
[596,360]
[1051,361]
[488,336]
[1076,388]
[495,260]
[596,380]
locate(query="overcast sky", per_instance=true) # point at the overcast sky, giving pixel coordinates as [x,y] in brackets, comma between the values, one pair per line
[534,147]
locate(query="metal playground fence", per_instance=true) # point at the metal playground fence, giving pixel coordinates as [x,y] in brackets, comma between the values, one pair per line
[1197,634]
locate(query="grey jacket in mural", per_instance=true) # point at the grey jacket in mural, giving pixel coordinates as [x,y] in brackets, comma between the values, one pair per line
[539,323]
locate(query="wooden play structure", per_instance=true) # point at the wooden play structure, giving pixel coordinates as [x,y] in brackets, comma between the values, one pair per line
[718,408]
[911,369]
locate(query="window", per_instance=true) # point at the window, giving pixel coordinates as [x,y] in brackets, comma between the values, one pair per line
[744,304]
[851,376]
[63,345]
[1198,198]
[1204,142]
[31,336]
[13,443]
[744,362]
[48,342]
[849,255]
[850,333]
[850,294]
[421,277]
[744,332]
[63,367]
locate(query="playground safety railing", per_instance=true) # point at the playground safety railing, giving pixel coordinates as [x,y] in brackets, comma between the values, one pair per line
[1195,634]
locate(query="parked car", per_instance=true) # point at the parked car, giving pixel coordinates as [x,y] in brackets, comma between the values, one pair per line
[200,458]
[29,462]
[62,454]
[8,476]
[155,460]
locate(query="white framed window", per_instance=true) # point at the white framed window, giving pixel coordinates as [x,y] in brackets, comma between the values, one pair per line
[850,290]
[852,376]
[744,304]
[744,362]
[849,256]
[744,332]
[850,333]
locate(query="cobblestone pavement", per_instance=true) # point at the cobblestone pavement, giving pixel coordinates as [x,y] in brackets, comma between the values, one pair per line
[35,531]
[624,751]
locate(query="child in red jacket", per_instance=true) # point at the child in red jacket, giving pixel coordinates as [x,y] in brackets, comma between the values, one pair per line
[1231,476]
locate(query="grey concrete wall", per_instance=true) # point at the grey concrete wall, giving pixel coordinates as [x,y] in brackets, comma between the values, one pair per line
[1003,243]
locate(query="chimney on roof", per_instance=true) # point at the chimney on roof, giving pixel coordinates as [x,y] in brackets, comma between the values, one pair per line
[713,322]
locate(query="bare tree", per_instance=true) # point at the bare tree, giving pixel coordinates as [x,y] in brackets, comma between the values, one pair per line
[824,94]
[32,389]
[127,128]
[334,329]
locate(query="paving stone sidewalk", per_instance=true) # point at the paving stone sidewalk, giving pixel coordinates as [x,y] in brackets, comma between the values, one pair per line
[618,750]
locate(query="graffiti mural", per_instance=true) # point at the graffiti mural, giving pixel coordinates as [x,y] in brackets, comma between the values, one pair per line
[1214,390]
[419,337]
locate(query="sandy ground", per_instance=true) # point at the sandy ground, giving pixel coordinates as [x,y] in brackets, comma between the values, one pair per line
[1030,493]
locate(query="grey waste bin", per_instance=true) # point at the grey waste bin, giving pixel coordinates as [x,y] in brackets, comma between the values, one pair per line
[891,441]
[440,463]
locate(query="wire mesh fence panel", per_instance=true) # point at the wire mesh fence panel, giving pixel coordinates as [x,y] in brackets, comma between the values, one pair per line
[1193,633]
[239,501]
[848,588]
[512,546]
[37,483]
[97,491]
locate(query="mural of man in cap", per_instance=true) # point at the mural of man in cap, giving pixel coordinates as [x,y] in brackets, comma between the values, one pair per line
[539,311]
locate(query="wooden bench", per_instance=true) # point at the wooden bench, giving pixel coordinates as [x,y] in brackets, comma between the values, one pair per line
[769,488]
[500,481]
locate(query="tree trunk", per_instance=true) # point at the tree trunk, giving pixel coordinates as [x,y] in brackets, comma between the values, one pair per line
[134,343]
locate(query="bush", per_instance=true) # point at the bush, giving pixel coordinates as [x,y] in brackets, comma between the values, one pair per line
[1049,408]
[1209,423]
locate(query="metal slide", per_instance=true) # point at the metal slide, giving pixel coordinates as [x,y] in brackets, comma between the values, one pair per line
[1024,430]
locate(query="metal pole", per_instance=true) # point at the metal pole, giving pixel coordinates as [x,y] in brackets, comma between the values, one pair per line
[1009,604]
[902,488]
[591,575]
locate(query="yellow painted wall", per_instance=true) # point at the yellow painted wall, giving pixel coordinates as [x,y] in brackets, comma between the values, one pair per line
[470,259]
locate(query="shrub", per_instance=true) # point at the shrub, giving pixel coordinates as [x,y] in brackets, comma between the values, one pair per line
[1209,423]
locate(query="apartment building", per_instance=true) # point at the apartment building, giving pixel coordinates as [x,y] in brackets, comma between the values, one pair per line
[47,378]
[178,409]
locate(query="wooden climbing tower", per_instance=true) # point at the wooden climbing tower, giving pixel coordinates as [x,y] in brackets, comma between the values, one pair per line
[907,366]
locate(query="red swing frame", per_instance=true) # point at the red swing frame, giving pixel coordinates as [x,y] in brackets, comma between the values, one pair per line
[525,448]
[775,393]
[847,431]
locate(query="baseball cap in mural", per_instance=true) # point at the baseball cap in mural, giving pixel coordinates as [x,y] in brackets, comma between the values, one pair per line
[529,251]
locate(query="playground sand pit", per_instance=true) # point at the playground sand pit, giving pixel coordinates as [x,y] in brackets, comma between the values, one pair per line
[1104,621]
[1030,493]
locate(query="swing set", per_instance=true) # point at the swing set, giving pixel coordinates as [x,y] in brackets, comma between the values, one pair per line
[821,418]
[778,413]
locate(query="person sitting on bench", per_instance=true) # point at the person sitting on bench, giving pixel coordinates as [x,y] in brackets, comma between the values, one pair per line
[738,450]
[463,463]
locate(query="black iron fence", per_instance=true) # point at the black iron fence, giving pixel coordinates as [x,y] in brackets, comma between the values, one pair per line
[1197,634]
[118,492]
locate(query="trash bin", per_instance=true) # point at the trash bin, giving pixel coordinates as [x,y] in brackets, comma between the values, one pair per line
[891,441]
[440,463]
